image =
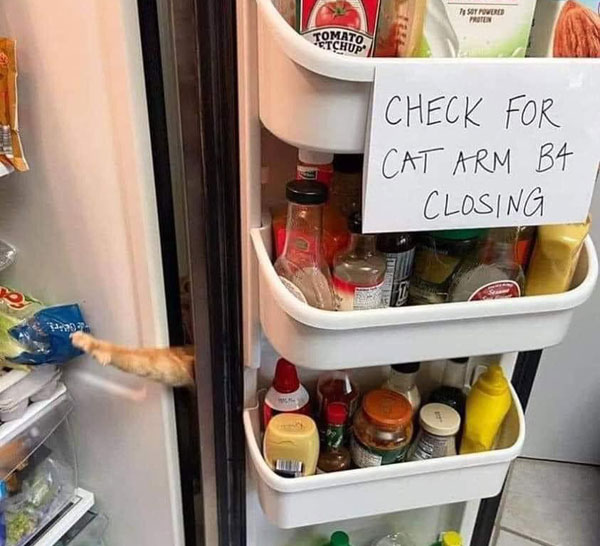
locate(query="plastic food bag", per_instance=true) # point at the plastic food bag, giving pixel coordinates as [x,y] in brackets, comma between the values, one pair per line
[31,333]
[8,254]
[11,151]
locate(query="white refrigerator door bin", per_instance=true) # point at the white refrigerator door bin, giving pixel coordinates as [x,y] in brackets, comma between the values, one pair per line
[315,99]
[361,492]
[328,340]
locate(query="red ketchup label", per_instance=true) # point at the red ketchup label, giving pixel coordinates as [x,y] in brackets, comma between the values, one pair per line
[497,290]
[346,27]
[15,300]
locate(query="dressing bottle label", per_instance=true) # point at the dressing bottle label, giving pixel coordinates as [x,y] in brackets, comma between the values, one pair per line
[497,290]
[354,297]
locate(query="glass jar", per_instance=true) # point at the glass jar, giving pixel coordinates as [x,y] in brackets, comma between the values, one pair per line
[382,429]
[438,256]
[437,435]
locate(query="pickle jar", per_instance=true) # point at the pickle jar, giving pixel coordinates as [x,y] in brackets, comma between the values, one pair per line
[382,429]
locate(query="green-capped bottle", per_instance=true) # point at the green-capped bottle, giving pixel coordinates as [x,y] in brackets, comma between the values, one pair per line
[339,538]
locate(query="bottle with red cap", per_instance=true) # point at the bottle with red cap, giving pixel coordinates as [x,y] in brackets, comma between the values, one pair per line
[287,394]
[334,456]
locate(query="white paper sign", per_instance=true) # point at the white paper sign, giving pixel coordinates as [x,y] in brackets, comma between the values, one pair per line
[481,144]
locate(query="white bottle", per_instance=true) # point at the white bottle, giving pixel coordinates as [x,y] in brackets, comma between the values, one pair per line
[403,380]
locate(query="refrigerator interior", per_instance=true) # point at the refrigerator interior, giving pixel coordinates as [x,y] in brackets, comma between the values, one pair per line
[84,221]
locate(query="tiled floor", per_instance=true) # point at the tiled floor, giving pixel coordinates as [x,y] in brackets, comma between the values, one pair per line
[550,504]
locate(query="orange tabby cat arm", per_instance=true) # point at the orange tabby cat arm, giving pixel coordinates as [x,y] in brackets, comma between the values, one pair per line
[173,366]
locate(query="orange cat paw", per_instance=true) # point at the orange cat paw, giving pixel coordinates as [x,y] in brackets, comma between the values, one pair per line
[83,341]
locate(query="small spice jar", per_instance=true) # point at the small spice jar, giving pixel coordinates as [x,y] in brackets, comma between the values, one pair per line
[382,429]
[437,435]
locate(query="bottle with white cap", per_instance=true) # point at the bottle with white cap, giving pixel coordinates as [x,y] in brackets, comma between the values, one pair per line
[437,435]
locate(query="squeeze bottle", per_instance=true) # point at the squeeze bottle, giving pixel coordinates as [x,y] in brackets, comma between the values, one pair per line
[487,405]
[555,258]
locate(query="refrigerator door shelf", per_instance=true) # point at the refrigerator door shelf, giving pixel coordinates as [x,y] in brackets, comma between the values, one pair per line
[303,87]
[21,437]
[329,340]
[362,492]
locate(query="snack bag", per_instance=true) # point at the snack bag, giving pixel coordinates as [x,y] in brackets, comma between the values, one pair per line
[11,151]
[33,334]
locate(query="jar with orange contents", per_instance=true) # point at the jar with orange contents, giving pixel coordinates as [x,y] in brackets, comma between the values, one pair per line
[382,429]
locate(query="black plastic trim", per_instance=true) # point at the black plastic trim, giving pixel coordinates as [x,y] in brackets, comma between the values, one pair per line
[185,417]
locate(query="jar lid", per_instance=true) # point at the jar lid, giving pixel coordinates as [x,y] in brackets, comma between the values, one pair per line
[306,192]
[387,407]
[439,419]
[409,367]
[339,538]
[458,234]
[315,158]
[451,538]
[336,413]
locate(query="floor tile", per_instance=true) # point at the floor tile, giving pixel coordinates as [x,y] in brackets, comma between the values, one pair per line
[554,503]
[506,538]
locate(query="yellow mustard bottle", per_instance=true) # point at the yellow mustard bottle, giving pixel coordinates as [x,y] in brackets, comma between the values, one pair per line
[486,407]
[555,258]
[291,445]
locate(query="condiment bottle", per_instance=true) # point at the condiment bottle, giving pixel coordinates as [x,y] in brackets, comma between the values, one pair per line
[291,445]
[395,539]
[403,380]
[316,166]
[487,406]
[286,394]
[334,456]
[302,267]
[339,538]
[555,258]
[358,272]
[346,192]
[491,272]
[382,429]
[525,242]
[319,166]
[437,433]
[451,392]
[438,255]
[336,386]
[399,252]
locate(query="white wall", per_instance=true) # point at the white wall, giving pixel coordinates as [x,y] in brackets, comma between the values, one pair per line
[563,420]
[84,221]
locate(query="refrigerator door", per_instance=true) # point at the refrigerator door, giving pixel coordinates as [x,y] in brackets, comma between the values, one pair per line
[84,221]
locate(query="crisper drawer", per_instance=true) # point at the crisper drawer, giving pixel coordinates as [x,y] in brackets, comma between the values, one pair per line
[22,437]
[327,340]
[378,490]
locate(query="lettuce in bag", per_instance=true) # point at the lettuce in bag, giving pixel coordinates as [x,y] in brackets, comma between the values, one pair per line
[31,333]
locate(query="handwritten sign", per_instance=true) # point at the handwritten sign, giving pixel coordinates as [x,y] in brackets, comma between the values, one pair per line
[481,144]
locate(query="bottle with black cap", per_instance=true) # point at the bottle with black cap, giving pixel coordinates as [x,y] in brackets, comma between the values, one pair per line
[302,267]
[451,392]
[403,380]
[359,271]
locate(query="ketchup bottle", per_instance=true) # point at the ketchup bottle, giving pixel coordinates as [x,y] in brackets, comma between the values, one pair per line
[286,394]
